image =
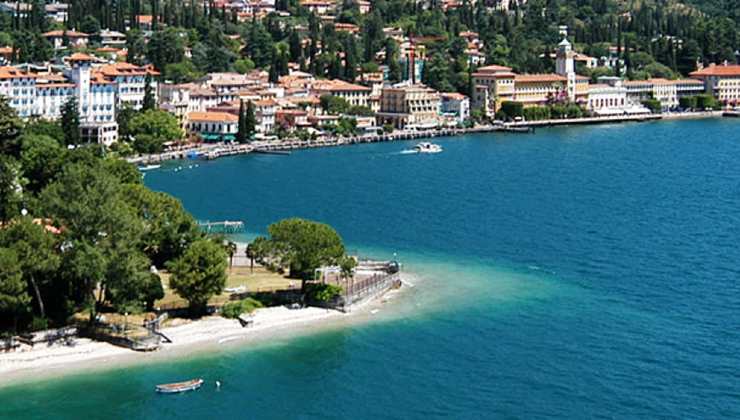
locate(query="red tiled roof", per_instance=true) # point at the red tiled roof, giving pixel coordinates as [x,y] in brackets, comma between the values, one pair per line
[212,117]
[720,71]
[549,77]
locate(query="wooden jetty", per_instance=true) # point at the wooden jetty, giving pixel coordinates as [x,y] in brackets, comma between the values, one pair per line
[225,226]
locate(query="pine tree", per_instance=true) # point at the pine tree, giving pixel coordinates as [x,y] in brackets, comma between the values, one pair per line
[70,121]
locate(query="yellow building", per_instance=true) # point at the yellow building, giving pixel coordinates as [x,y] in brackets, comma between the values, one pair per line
[722,81]
[407,105]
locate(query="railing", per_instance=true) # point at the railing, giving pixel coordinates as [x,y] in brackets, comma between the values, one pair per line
[358,291]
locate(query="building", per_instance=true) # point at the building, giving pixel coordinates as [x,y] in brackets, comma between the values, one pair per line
[265,111]
[130,81]
[455,106]
[608,97]
[96,96]
[110,38]
[99,132]
[213,126]
[493,84]
[355,95]
[407,105]
[320,7]
[72,38]
[721,81]
[20,89]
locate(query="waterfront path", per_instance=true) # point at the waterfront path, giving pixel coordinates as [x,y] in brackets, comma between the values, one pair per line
[217,150]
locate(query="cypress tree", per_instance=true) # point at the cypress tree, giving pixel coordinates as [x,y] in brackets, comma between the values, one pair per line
[241,133]
[250,121]
[149,100]
[70,121]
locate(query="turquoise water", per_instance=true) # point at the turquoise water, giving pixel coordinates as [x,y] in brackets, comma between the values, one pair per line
[574,273]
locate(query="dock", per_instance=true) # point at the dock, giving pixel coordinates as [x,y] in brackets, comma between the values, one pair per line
[225,226]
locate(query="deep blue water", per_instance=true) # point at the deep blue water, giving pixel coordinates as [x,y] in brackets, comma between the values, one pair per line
[587,272]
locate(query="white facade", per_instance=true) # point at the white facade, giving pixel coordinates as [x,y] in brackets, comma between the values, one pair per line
[456,105]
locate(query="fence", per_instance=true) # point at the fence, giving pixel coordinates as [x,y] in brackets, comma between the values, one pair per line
[367,288]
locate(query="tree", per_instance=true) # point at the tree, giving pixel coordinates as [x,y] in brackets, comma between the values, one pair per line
[10,127]
[168,228]
[14,300]
[512,109]
[653,105]
[303,246]
[42,158]
[241,132]
[165,47]
[153,291]
[334,104]
[250,121]
[135,46]
[35,248]
[102,235]
[249,253]
[199,274]
[230,248]
[11,188]
[151,129]
[243,65]
[182,72]
[70,121]
[149,102]
[123,118]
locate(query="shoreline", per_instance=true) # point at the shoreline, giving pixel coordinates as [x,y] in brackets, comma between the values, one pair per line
[189,339]
[216,150]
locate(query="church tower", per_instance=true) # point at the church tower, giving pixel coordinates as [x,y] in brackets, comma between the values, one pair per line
[565,66]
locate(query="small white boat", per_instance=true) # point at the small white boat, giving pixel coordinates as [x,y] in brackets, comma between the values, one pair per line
[149,167]
[426,147]
[176,387]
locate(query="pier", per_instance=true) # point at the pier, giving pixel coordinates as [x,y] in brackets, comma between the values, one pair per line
[225,226]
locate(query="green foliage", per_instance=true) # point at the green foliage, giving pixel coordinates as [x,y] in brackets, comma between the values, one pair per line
[302,245]
[149,103]
[182,72]
[317,292]
[42,158]
[232,310]
[151,129]
[199,273]
[166,47]
[152,291]
[361,111]
[168,228]
[512,109]
[243,65]
[687,102]
[653,105]
[11,188]
[706,102]
[10,127]
[35,248]
[334,105]
[70,121]
[14,300]
[536,113]
[39,126]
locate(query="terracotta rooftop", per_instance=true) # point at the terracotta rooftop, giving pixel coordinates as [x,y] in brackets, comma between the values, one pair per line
[212,117]
[728,70]
[548,77]
[70,34]
[338,86]
[8,72]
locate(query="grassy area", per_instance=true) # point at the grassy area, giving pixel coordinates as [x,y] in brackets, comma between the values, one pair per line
[259,281]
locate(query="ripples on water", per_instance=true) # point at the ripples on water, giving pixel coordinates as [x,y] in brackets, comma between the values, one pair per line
[577,272]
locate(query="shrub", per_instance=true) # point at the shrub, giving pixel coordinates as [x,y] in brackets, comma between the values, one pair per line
[653,105]
[322,292]
[232,310]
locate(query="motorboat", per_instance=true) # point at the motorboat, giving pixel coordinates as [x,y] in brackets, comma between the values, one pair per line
[426,147]
[149,167]
[177,387]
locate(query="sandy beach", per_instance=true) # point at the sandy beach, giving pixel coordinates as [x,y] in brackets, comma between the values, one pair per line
[188,337]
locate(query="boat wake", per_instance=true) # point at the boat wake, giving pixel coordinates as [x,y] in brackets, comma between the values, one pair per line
[408,152]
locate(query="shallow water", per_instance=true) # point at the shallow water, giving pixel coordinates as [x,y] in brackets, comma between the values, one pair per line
[577,272]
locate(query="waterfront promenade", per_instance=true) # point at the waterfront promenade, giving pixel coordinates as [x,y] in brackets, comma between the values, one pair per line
[217,150]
